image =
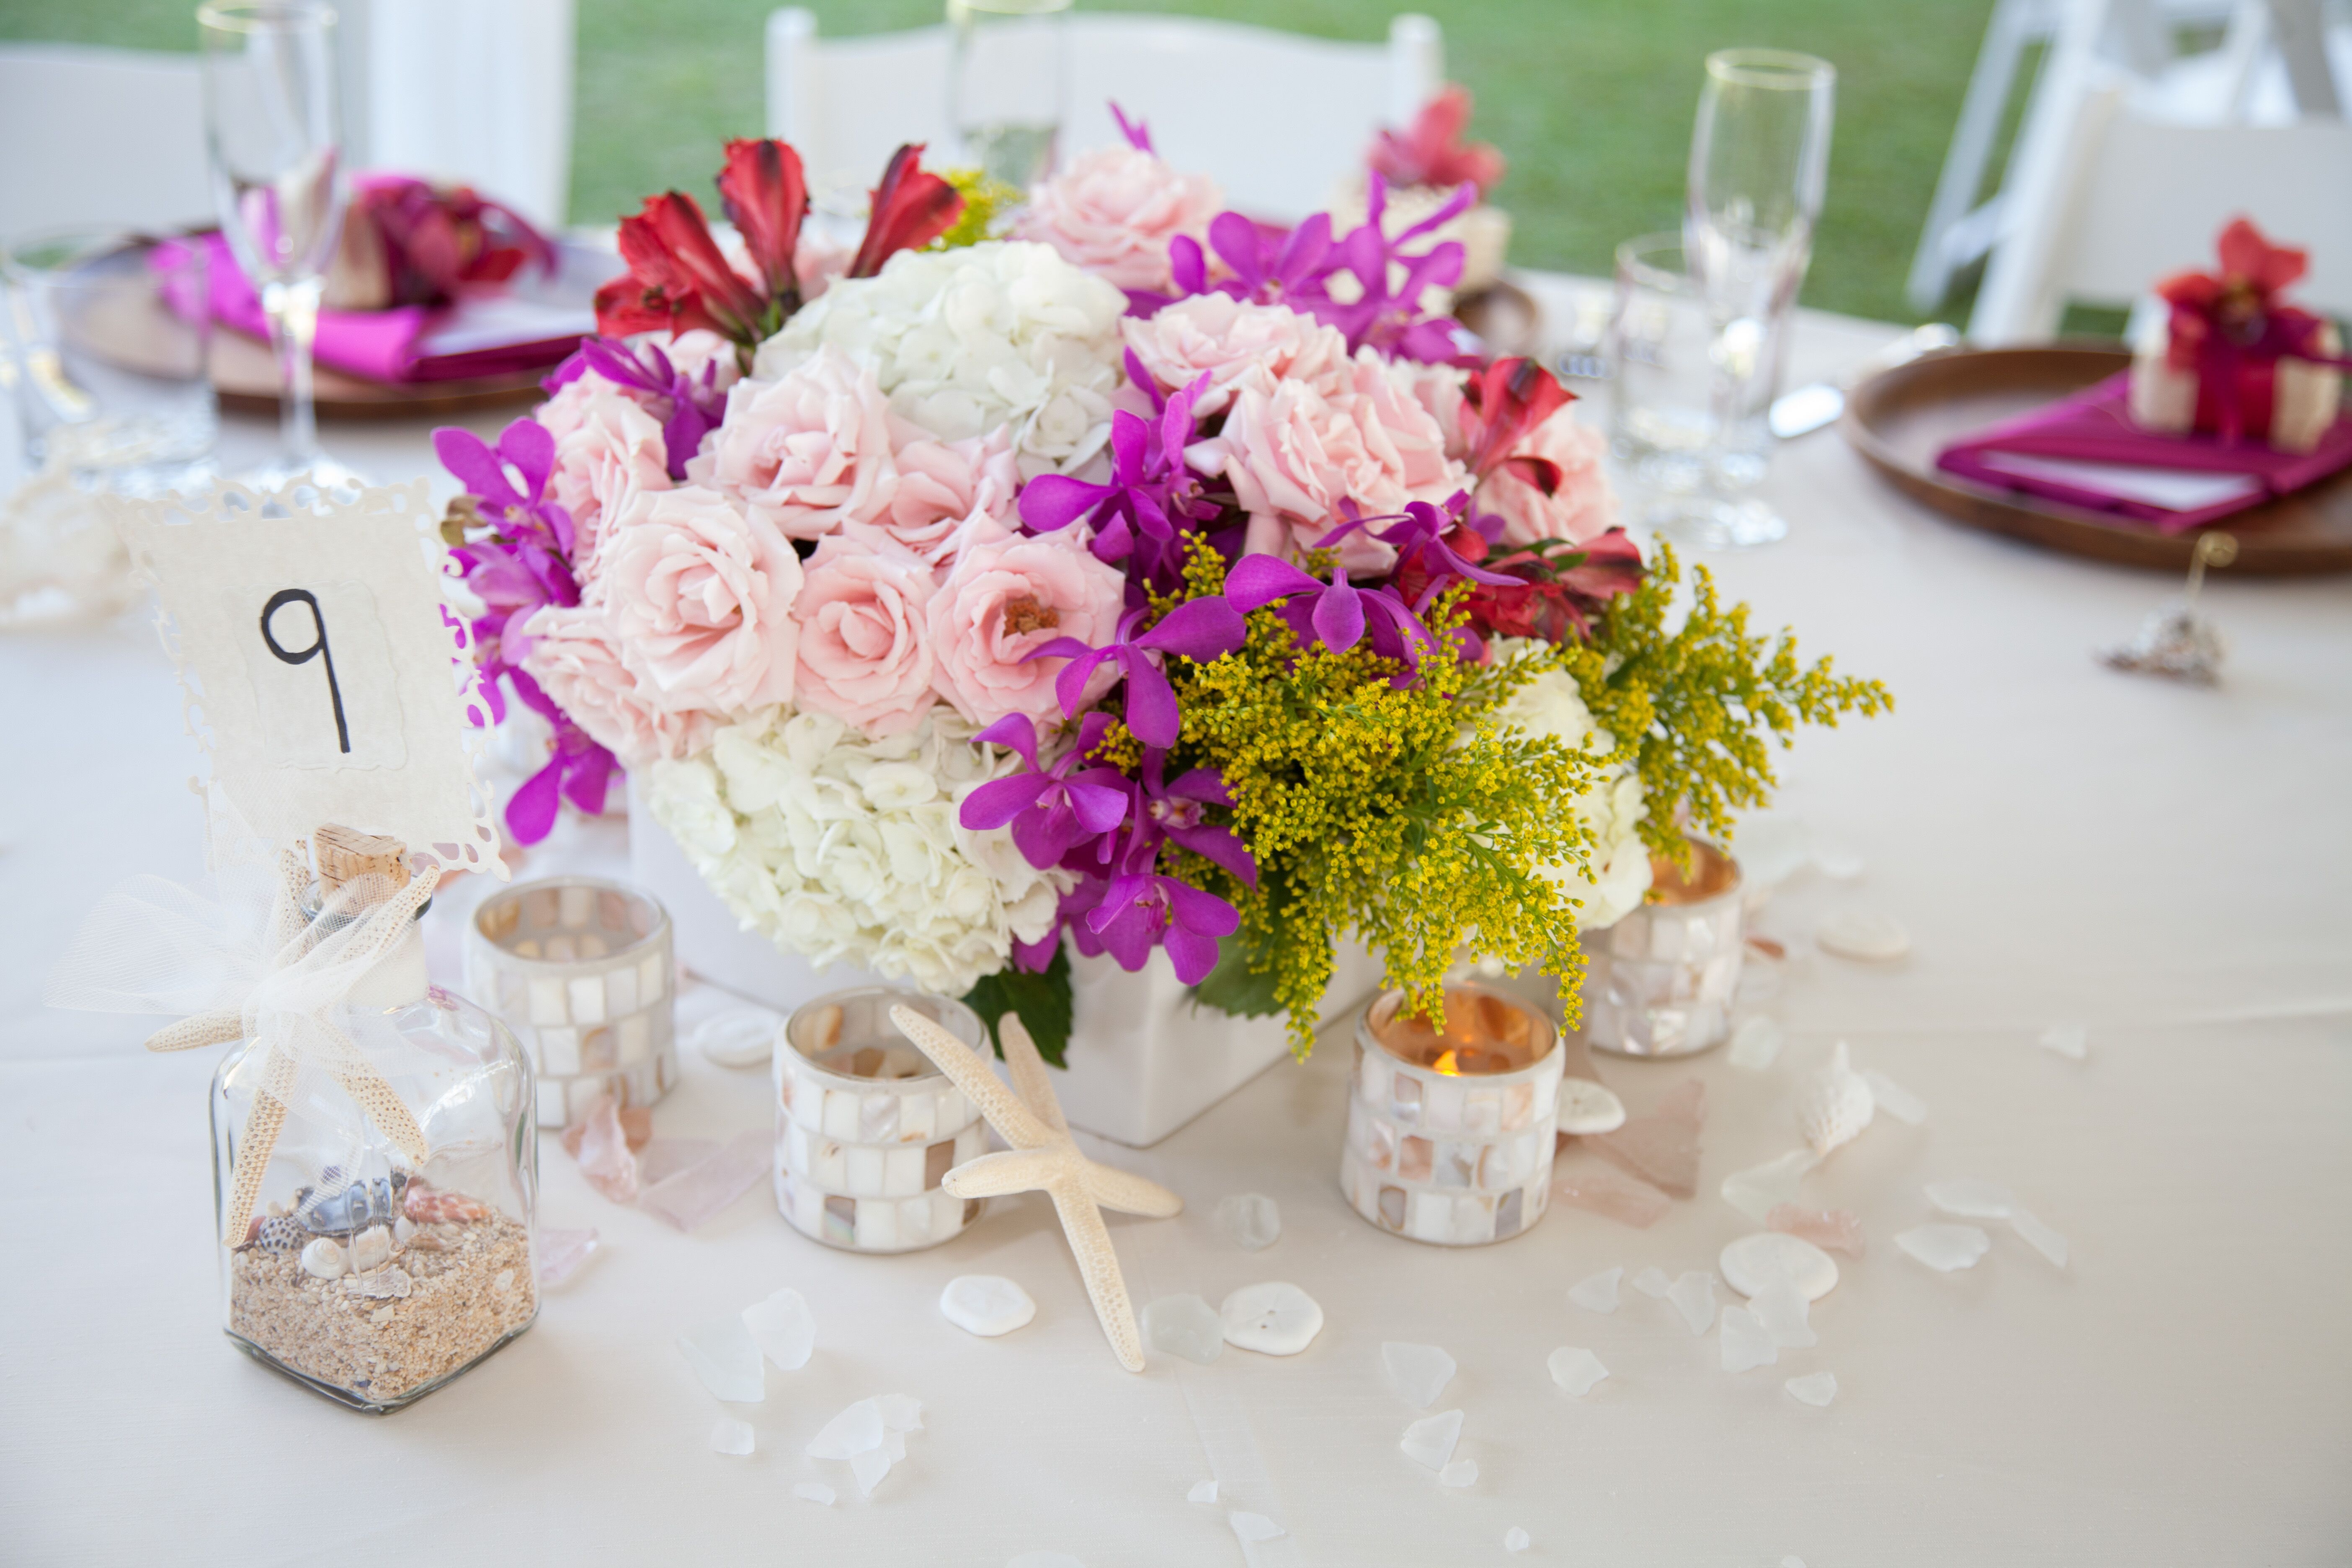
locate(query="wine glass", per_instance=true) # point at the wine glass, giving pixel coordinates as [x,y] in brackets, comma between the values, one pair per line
[273,127]
[1007,70]
[1758,167]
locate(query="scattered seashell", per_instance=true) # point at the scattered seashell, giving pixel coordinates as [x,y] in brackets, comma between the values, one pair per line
[1873,938]
[1272,1319]
[350,1208]
[431,1205]
[323,1259]
[739,1038]
[278,1232]
[1837,1104]
[1752,1262]
[404,1231]
[370,1249]
[1586,1106]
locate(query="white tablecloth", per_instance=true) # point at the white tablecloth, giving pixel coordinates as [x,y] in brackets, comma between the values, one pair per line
[2166,866]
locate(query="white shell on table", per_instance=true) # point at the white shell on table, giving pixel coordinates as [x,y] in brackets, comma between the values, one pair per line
[1586,1106]
[1837,1104]
[739,1038]
[1873,938]
[1272,1319]
[1753,1262]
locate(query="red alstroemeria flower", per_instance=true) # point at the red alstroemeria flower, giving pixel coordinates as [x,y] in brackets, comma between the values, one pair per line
[1505,403]
[766,196]
[678,279]
[912,208]
[1432,151]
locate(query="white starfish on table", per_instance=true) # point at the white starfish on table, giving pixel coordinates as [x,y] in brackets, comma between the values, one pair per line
[1045,1158]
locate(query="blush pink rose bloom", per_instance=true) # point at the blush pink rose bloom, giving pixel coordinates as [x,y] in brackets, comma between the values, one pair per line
[1114,210]
[1583,507]
[865,645]
[1228,338]
[939,485]
[688,352]
[575,660]
[806,452]
[700,597]
[607,449]
[1007,594]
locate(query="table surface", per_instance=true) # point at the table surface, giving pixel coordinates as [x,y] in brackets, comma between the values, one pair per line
[2165,865]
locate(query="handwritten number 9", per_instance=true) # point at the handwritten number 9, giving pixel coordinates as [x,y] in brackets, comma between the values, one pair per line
[317,650]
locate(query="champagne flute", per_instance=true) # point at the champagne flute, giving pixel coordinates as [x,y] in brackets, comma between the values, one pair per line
[1007,66]
[1758,167]
[274,131]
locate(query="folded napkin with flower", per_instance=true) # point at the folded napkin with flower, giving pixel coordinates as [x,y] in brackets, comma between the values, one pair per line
[430,283]
[2233,402]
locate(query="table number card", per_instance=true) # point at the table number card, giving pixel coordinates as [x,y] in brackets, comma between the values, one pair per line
[323,678]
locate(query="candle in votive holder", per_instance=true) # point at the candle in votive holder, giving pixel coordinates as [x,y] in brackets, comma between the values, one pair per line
[1451,1123]
[1660,982]
[865,1126]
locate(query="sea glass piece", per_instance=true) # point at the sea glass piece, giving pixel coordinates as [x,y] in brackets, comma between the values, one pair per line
[1458,1473]
[1895,1100]
[561,1252]
[1833,1230]
[726,1359]
[2040,1237]
[858,1429]
[1418,1372]
[868,1468]
[739,1037]
[1836,1104]
[1184,1326]
[1599,1293]
[1944,1248]
[1577,1369]
[1203,1492]
[2072,1041]
[986,1304]
[815,1491]
[1873,938]
[1816,1389]
[1786,1315]
[1746,1343]
[691,1196]
[1254,1527]
[1516,1539]
[659,1159]
[1693,1296]
[1613,1194]
[1661,1148]
[1756,1191]
[1251,1220]
[728,1436]
[1753,1262]
[783,1328]
[1653,1281]
[1756,1043]
[605,1156]
[1971,1197]
[1272,1319]
[1430,1440]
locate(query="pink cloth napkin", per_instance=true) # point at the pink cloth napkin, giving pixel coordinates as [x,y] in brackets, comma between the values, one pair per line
[405,344]
[2095,425]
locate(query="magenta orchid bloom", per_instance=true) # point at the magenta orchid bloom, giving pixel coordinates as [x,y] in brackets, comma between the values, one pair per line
[1137,131]
[578,769]
[1337,614]
[526,560]
[1388,314]
[1141,910]
[1175,810]
[1051,810]
[1150,492]
[1200,629]
[695,404]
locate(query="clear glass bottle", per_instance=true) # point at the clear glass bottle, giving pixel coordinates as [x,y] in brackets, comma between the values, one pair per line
[365,1272]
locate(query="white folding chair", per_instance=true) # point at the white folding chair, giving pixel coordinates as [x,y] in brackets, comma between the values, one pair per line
[477,92]
[1219,96]
[100,137]
[2108,192]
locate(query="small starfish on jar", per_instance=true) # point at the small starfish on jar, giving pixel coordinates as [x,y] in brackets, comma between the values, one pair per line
[1045,1158]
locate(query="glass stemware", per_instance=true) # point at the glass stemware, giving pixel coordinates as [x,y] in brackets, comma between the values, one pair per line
[274,131]
[1758,167]
[1007,71]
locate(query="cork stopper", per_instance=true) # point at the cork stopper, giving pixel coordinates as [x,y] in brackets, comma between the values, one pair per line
[345,853]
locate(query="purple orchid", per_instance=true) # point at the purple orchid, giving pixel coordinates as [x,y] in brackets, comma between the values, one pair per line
[1137,131]
[1388,315]
[1200,629]
[1142,909]
[1175,809]
[1051,810]
[696,403]
[1336,613]
[525,558]
[1418,535]
[579,769]
[1150,495]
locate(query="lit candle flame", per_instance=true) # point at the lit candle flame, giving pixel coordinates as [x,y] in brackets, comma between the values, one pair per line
[1446,1064]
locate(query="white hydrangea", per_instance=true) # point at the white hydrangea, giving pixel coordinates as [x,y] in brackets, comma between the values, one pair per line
[963,340]
[847,849]
[1611,810]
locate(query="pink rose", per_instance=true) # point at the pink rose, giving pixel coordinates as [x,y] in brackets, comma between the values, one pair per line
[688,352]
[865,647]
[1005,596]
[574,659]
[701,596]
[806,452]
[939,484]
[1228,338]
[608,448]
[1410,440]
[1114,210]
[1583,506]
[1438,388]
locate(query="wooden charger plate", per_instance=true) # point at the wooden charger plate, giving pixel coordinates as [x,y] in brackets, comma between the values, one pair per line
[1901,419]
[245,379]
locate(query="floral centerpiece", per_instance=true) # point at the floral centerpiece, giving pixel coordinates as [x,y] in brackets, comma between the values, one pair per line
[1148,581]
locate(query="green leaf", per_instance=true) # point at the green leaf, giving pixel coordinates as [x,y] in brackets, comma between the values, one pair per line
[1043,1002]
[1235,986]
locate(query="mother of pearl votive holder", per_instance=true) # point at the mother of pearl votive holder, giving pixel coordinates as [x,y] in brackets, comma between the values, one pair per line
[1660,982]
[865,1126]
[1451,1126]
[581,969]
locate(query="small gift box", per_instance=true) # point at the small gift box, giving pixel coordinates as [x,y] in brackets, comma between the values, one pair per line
[865,1126]
[2232,359]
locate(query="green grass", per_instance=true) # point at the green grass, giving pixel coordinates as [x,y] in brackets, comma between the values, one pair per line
[1591,101]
